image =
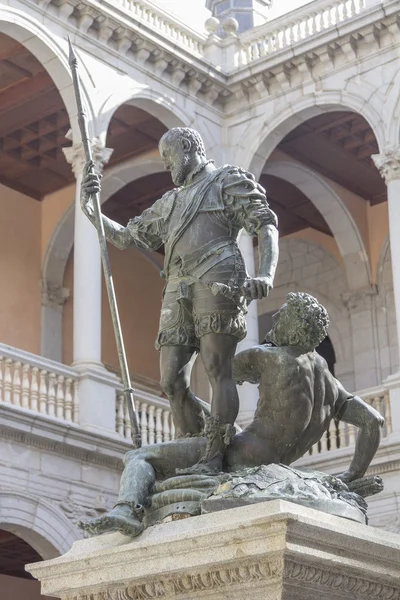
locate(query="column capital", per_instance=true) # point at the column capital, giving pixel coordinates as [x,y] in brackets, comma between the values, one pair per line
[388,163]
[75,156]
[53,295]
[360,299]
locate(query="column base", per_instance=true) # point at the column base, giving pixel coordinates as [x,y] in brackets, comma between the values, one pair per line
[97,398]
[270,551]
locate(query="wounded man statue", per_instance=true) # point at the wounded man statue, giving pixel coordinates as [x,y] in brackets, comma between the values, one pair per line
[298,399]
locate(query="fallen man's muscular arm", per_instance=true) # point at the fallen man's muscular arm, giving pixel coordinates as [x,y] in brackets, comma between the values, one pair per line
[353,410]
[246,366]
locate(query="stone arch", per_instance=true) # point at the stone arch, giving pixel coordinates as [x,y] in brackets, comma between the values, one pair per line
[158,105]
[52,55]
[61,242]
[267,138]
[38,522]
[335,213]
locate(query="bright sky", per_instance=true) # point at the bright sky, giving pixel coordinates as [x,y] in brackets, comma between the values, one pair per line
[194,12]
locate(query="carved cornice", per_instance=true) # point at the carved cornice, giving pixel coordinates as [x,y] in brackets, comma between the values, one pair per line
[339,582]
[207,69]
[182,584]
[268,571]
[388,163]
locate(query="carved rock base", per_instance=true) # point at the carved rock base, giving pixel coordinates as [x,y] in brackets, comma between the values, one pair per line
[270,551]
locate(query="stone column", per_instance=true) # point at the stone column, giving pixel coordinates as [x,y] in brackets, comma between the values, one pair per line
[388,164]
[248,393]
[363,318]
[97,385]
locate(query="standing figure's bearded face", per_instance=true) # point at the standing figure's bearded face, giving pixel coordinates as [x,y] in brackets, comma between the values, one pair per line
[177,161]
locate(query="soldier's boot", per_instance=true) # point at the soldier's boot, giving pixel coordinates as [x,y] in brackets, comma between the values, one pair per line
[219,435]
[125,517]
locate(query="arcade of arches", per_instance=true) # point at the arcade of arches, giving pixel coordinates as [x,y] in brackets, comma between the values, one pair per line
[332,206]
[38,188]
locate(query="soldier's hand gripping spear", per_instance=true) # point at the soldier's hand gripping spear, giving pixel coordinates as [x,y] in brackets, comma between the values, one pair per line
[98,221]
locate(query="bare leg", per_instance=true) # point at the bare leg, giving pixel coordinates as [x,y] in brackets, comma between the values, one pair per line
[176,366]
[138,479]
[217,351]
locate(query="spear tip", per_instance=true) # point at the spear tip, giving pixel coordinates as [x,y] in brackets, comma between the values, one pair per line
[72,56]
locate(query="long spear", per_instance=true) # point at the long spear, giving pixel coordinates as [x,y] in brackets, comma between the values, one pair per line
[126,380]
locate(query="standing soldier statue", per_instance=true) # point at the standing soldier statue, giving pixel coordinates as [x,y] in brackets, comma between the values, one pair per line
[207,285]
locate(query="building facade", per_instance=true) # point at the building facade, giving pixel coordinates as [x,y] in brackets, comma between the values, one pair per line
[308,101]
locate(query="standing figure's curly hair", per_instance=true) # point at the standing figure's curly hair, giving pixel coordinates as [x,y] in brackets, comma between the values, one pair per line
[186,133]
[310,320]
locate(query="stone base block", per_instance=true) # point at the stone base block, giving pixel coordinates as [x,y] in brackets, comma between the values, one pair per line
[270,551]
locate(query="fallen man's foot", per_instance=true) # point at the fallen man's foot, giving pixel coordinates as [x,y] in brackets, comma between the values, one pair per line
[120,518]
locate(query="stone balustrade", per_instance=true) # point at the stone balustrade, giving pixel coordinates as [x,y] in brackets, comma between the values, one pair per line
[51,389]
[303,23]
[154,417]
[342,435]
[43,386]
[163,24]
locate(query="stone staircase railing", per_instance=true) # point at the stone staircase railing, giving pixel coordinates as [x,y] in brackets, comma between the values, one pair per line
[37,384]
[342,435]
[304,23]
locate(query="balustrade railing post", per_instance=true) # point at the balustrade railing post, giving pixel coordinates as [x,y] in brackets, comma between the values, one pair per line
[166,430]
[159,427]
[34,389]
[16,397]
[120,414]
[68,399]
[143,423]
[75,403]
[43,392]
[7,381]
[25,386]
[151,425]
[51,404]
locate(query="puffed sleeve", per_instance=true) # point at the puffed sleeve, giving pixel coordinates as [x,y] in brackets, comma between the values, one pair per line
[246,201]
[147,231]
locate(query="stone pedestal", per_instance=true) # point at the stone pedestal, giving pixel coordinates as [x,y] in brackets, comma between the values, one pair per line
[270,551]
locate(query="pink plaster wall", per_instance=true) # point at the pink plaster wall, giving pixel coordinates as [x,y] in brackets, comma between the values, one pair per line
[138,287]
[20,270]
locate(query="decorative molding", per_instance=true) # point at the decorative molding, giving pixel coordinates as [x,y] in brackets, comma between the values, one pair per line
[388,163]
[360,299]
[291,571]
[355,586]
[183,584]
[148,36]
[75,156]
[75,511]
[53,295]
